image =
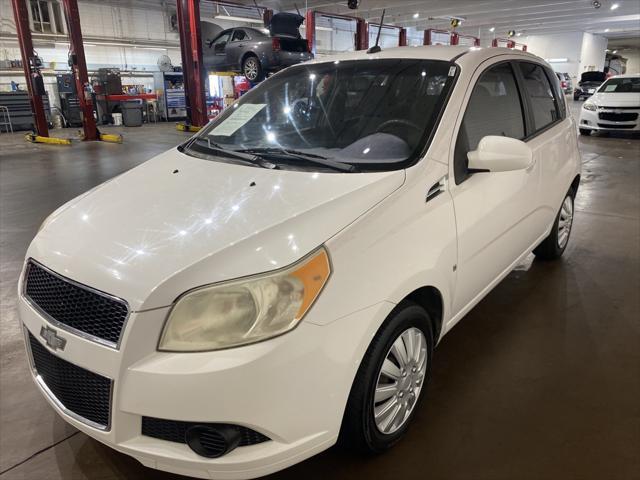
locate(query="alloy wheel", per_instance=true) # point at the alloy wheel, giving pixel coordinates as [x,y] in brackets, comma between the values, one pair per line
[565,221]
[251,69]
[400,381]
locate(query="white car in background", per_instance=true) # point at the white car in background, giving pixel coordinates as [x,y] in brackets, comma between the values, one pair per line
[237,304]
[614,107]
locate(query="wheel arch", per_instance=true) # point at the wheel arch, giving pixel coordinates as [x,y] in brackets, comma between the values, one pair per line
[429,298]
[575,184]
[246,55]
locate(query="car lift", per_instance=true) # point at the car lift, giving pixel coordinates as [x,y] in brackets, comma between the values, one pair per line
[188,13]
[35,84]
[78,65]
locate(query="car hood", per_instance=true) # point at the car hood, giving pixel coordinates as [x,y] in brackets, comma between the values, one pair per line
[624,99]
[178,222]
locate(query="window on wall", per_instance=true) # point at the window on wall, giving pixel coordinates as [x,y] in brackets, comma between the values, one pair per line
[541,95]
[494,108]
[46,15]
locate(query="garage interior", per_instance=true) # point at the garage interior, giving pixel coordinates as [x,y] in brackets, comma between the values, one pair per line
[540,381]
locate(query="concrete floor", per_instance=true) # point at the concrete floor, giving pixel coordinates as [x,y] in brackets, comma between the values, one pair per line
[540,381]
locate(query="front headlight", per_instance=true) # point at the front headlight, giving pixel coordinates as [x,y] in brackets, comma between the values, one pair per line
[589,106]
[245,311]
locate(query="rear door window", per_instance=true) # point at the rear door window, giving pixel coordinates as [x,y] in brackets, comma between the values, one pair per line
[541,95]
[239,35]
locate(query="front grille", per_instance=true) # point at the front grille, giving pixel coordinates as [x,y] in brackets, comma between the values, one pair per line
[81,392]
[69,304]
[616,127]
[175,430]
[618,117]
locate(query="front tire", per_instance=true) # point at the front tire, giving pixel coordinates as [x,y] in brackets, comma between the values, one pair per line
[252,69]
[555,244]
[389,384]
[585,131]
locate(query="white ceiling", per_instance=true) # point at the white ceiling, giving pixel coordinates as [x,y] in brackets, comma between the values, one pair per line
[529,17]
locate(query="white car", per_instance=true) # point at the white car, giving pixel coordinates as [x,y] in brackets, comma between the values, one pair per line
[237,304]
[614,107]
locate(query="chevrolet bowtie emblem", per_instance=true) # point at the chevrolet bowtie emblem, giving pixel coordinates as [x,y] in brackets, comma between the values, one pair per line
[53,340]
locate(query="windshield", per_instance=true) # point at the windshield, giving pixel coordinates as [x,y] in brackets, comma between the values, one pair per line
[372,115]
[621,85]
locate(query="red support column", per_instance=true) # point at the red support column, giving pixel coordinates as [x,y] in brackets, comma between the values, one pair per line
[267,16]
[362,34]
[310,30]
[32,74]
[79,69]
[402,38]
[192,67]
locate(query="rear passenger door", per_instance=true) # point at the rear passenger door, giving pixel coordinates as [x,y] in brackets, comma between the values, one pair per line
[552,139]
[494,210]
[236,47]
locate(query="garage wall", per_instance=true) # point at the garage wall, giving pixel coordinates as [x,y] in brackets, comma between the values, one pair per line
[593,52]
[633,60]
[583,51]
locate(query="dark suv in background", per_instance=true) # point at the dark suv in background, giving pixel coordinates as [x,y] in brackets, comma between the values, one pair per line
[254,52]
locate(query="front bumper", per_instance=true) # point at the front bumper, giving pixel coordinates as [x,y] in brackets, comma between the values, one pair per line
[292,388]
[600,120]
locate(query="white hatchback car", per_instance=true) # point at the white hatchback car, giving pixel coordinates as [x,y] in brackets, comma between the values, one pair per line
[279,281]
[614,107]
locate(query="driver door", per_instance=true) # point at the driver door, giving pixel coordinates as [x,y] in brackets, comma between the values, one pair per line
[492,208]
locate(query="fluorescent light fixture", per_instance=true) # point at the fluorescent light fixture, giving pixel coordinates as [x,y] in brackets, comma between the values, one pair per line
[416,15]
[320,29]
[556,60]
[606,30]
[614,6]
[615,51]
[492,29]
[519,34]
[239,19]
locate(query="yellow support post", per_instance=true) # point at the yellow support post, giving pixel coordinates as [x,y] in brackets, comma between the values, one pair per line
[111,137]
[187,128]
[33,138]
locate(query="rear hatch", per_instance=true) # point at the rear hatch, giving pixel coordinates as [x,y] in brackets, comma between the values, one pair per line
[286,28]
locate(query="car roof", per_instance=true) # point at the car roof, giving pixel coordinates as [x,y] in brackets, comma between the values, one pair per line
[475,55]
[627,75]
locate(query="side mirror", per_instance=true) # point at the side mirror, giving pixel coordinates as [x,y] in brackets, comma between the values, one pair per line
[500,154]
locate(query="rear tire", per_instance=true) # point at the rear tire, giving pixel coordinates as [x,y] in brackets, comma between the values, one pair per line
[576,97]
[556,242]
[585,131]
[366,427]
[252,69]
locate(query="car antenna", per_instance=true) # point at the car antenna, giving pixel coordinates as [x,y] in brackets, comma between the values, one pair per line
[297,9]
[376,48]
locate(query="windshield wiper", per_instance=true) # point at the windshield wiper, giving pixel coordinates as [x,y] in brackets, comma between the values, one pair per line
[227,152]
[307,157]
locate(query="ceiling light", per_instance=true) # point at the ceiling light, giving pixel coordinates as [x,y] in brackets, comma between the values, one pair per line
[614,6]
[606,30]
[416,15]
[615,51]
[519,34]
[238,19]
[492,29]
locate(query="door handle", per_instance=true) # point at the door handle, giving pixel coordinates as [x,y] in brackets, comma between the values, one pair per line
[437,188]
